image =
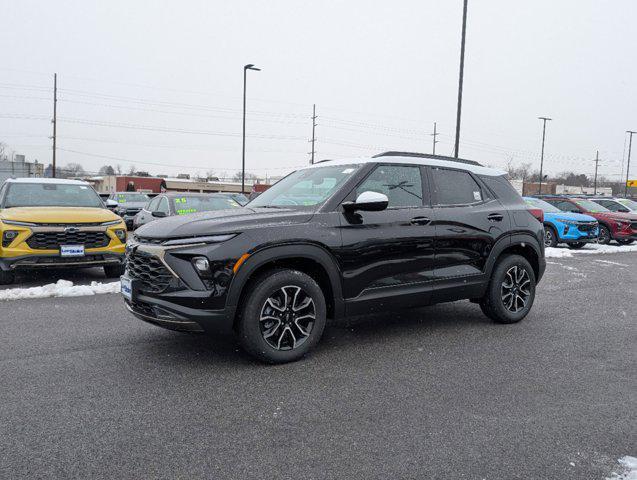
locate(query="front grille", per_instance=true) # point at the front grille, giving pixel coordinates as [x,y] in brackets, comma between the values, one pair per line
[587,227]
[142,308]
[53,240]
[152,274]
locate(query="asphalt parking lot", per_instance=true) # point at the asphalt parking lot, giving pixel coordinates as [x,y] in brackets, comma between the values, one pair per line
[89,391]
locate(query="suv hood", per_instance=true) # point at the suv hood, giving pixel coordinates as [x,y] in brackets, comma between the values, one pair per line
[221,221]
[577,217]
[618,216]
[58,215]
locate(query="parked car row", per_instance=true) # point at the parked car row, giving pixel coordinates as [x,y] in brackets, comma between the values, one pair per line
[576,221]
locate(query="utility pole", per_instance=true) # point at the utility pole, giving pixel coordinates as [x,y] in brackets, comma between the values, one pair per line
[461,77]
[630,146]
[596,166]
[313,133]
[243,146]
[544,119]
[54,121]
[434,135]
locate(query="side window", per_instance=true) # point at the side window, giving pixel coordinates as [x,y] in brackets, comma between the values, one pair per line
[612,206]
[566,206]
[152,205]
[454,187]
[401,184]
[163,206]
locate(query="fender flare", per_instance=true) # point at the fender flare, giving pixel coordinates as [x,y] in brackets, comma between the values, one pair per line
[522,239]
[307,251]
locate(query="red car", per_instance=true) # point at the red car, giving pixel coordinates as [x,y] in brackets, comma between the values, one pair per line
[621,227]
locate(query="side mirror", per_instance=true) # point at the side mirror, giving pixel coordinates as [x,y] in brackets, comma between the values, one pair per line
[368,202]
[110,203]
[158,214]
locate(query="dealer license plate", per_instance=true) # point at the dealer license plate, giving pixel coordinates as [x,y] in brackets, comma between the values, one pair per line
[127,288]
[72,250]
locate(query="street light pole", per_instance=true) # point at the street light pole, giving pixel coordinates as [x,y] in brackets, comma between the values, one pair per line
[544,119]
[461,78]
[630,146]
[596,167]
[243,146]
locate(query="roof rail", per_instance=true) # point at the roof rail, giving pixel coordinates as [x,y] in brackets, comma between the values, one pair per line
[426,155]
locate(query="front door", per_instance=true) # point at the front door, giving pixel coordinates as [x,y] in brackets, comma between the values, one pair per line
[387,257]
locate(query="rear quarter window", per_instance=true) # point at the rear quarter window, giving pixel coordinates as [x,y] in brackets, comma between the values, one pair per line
[502,189]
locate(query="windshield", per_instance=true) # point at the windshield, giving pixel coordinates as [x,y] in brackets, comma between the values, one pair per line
[591,206]
[51,195]
[131,197]
[628,203]
[185,205]
[309,187]
[541,204]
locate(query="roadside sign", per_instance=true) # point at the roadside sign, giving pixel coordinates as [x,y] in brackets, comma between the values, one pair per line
[631,183]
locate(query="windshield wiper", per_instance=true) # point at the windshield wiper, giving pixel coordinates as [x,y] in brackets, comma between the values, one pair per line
[269,206]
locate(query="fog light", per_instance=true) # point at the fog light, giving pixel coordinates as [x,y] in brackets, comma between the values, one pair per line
[121,234]
[8,236]
[201,264]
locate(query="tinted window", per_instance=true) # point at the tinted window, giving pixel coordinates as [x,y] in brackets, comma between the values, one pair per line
[402,185]
[51,195]
[502,188]
[454,187]
[589,206]
[566,206]
[541,204]
[152,205]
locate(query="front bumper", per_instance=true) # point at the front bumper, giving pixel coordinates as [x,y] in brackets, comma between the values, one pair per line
[174,316]
[53,260]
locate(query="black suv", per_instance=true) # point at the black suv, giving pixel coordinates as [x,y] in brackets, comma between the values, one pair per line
[340,238]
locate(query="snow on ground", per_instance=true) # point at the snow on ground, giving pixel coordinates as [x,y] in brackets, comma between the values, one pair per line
[591,248]
[63,288]
[629,465]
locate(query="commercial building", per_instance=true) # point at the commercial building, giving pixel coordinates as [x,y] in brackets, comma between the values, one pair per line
[20,168]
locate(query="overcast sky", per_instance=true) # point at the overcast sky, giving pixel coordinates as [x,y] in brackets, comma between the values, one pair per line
[158,84]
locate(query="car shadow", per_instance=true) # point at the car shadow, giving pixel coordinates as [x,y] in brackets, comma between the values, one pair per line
[220,351]
[37,278]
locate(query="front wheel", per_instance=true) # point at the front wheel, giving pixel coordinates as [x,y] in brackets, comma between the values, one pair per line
[283,316]
[576,245]
[625,242]
[550,236]
[604,235]
[511,291]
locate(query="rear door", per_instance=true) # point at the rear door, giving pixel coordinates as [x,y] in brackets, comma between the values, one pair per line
[387,257]
[468,222]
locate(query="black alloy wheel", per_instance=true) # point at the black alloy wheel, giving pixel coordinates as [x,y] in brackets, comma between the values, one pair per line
[550,237]
[604,235]
[515,289]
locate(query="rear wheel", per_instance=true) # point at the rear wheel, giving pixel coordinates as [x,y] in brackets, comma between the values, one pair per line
[604,235]
[113,271]
[511,291]
[576,245]
[550,236]
[6,278]
[283,316]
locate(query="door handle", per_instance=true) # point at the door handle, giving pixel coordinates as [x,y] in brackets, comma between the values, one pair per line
[420,221]
[495,217]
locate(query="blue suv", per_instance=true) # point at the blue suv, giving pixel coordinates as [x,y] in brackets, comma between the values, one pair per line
[573,229]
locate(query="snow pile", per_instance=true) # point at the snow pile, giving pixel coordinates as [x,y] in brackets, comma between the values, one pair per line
[630,469]
[63,288]
[591,248]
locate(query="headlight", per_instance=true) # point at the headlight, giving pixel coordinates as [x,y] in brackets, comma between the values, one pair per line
[121,234]
[193,240]
[571,223]
[112,222]
[21,224]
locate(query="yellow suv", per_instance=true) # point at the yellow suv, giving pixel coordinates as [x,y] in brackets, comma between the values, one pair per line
[52,222]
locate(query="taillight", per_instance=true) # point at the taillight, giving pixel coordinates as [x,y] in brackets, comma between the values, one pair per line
[537,213]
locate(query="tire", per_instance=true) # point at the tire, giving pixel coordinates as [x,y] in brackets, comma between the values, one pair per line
[604,236]
[6,278]
[550,236]
[113,271]
[495,303]
[267,328]
[625,242]
[576,245]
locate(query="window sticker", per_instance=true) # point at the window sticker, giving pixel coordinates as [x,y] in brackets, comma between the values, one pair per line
[186,211]
[477,196]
